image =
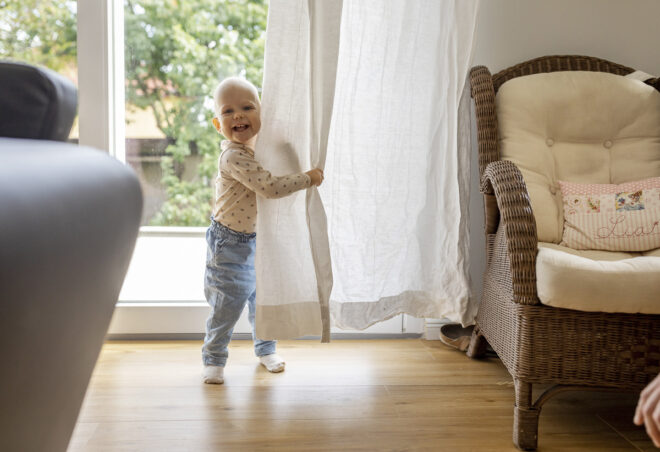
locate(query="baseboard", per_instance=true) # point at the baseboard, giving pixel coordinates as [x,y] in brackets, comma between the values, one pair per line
[247,336]
[432,328]
[186,320]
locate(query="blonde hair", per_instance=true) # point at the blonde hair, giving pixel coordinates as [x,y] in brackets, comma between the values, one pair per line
[229,83]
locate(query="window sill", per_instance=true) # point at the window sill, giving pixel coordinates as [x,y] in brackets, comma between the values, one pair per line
[172,231]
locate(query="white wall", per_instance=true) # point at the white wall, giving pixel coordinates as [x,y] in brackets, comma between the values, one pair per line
[512,31]
[623,31]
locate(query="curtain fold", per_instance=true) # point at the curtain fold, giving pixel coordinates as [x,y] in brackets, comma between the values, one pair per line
[371,91]
[294,272]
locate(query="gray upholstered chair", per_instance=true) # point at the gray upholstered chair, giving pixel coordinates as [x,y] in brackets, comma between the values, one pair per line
[69,218]
[570,325]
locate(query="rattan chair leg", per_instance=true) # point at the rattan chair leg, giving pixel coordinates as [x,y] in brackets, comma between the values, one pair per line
[525,418]
[478,344]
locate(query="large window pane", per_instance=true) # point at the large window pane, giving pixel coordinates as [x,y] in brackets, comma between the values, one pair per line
[176,51]
[41,33]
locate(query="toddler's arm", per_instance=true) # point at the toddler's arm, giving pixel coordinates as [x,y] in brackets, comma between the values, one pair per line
[245,169]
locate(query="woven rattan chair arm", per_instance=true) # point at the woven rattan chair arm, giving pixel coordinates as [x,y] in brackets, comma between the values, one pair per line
[505,181]
[481,83]
[654,82]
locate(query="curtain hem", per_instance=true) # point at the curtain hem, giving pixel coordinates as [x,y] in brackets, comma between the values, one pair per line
[359,315]
[288,321]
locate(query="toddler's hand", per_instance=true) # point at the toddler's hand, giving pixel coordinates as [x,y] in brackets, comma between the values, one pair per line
[316,175]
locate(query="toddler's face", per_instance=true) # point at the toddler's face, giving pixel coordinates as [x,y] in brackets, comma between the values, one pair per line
[239,115]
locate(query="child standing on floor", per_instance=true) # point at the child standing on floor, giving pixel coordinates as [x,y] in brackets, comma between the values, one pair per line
[229,281]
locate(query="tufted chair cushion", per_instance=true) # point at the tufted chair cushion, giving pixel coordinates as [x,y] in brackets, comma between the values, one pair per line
[587,127]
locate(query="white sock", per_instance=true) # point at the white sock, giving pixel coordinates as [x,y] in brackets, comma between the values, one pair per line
[274,363]
[213,375]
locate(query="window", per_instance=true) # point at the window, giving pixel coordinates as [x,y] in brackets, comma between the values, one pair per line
[176,51]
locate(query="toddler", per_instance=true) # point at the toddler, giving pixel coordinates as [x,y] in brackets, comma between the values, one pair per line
[229,281]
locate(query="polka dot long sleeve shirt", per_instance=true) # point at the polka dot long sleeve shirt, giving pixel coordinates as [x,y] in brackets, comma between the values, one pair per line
[240,178]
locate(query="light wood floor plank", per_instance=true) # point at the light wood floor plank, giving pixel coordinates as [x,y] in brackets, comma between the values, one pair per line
[389,395]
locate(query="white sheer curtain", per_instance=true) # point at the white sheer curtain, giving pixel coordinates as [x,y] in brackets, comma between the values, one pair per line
[386,81]
[294,275]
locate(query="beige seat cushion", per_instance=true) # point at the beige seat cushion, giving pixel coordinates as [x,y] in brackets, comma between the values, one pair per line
[604,281]
[574,126]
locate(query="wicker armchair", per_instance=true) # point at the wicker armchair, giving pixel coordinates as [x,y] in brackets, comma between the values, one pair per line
[540,344]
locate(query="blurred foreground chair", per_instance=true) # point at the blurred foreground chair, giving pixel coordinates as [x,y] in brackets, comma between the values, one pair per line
[69,218]
[572,318]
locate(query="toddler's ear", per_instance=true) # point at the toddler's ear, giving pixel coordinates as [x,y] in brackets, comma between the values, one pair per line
[216,124]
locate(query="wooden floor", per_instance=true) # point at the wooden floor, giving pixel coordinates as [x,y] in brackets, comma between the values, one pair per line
[372,395]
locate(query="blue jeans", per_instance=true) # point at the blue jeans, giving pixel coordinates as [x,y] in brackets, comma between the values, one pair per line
[229,282]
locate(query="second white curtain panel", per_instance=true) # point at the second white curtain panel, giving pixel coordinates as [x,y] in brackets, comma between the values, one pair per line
[396,165]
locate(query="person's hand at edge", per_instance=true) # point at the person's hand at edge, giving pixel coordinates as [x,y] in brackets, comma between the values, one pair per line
[648,410]
[316,175]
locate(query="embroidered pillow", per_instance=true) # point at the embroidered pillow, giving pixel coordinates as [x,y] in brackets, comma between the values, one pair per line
[624,217]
